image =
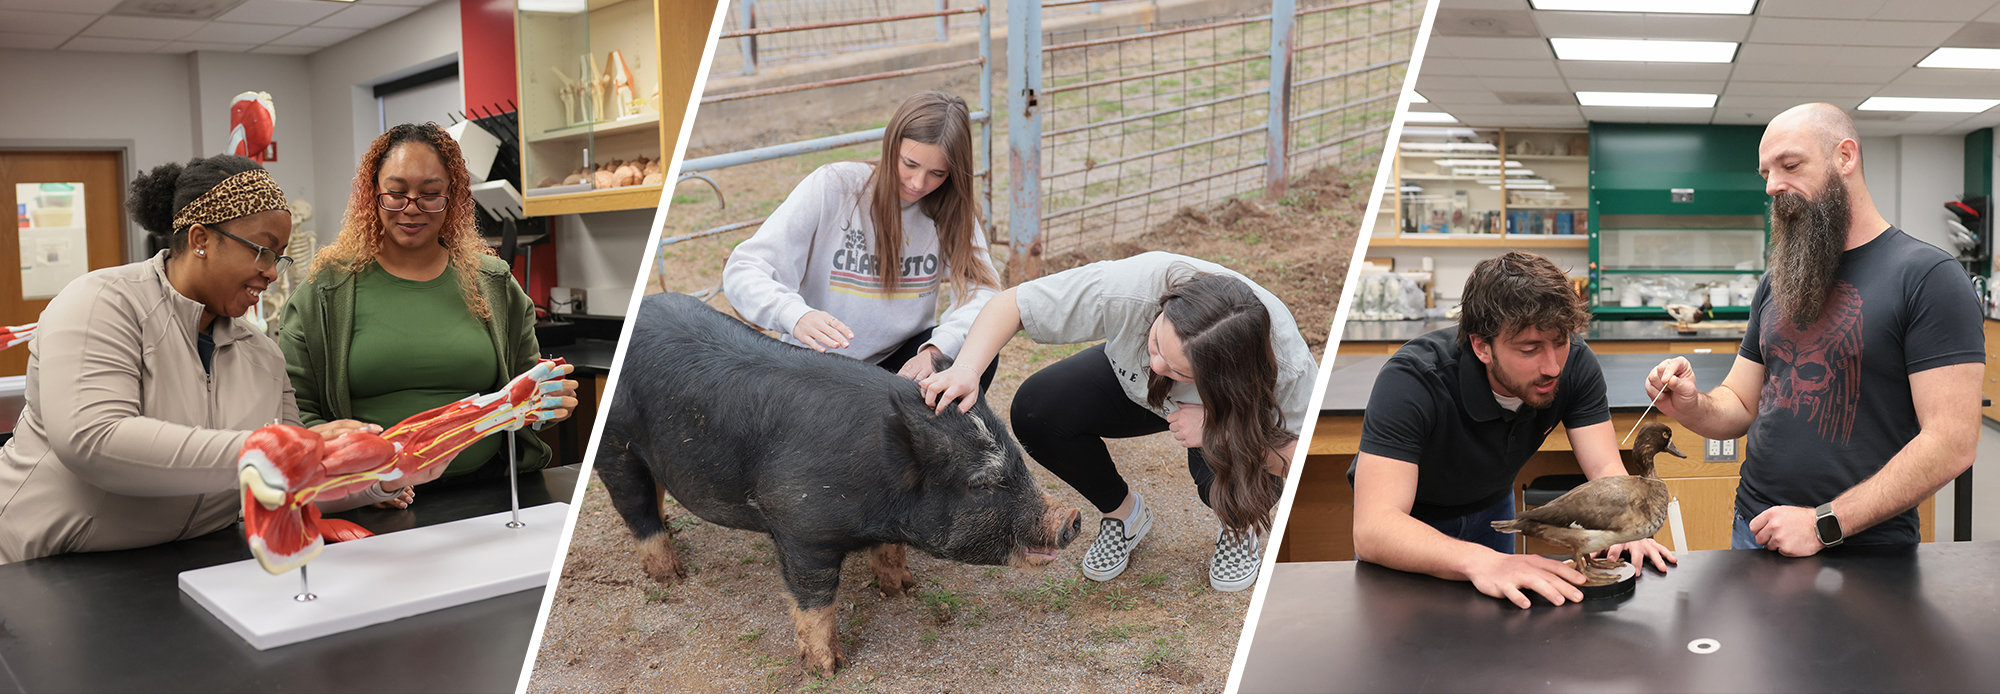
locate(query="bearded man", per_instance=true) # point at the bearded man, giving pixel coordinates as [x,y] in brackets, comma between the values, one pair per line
[1457,412]
[1858,377]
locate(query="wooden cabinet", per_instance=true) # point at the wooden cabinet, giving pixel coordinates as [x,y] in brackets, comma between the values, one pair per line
[1991,386]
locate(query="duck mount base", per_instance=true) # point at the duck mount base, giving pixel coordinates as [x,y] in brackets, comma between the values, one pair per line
[1627,578]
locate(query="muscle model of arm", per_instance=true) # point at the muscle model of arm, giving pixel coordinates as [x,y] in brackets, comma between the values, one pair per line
[283,469]
[16,334]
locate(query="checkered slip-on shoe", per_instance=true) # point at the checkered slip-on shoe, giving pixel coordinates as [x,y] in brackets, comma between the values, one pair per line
[1234,566]
[1112,550]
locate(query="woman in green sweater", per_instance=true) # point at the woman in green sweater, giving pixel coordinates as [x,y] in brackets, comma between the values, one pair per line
[408,310]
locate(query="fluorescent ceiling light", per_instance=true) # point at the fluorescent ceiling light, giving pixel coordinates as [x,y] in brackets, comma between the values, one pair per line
[1974,58]
[559,6]
[1428,117]
[1475,162]
[1912,103]
[1654,6]
[1416,98]
[1646,99]
[1448,146]
[1645,50]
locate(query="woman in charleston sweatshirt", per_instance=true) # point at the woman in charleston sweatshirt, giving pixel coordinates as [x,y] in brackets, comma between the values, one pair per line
[854,259]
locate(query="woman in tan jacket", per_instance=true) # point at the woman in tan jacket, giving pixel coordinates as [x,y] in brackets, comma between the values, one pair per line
[142,383]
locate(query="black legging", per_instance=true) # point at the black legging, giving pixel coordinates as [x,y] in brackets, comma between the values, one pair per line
[1063,413]
[894,362]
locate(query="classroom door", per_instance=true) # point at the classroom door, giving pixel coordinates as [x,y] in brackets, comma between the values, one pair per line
[69,220]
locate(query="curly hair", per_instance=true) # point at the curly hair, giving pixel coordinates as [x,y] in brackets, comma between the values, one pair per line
[1515,291]
[361,232]
[162,191]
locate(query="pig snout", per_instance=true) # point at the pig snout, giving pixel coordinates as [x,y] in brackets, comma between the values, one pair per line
[1068,524]
[1055,530]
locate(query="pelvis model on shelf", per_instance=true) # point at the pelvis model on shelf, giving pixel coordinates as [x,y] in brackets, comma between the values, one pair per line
[283,469]
[16,334]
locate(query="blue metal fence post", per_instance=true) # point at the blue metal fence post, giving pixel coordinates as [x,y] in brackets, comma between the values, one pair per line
[1278,126]
[986,105]
[944,23]
[1024,138]
[746,18]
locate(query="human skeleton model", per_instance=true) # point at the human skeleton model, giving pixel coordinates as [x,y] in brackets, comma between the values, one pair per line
[16,334]
[283,469]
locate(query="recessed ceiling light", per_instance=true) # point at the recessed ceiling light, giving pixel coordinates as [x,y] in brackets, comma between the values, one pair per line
[1654,6]
[1912,103]
[1646,99]
[1475,162]
[1428,117]
[1645,50]
[1974,58]
[1416,98]
[1448,146]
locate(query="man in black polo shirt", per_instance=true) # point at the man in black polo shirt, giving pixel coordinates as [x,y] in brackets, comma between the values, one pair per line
[1858,378]
[1457,412]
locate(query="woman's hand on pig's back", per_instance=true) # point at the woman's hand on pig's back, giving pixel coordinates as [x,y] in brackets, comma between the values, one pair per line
[955,383]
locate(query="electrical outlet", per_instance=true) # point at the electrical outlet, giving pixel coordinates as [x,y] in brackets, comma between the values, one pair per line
[1720,451]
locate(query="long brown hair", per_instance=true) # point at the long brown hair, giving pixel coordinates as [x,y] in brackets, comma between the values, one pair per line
[940,120]
[361,232]
[1225,332]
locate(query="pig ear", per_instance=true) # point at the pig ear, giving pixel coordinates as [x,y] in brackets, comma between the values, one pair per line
[909,429]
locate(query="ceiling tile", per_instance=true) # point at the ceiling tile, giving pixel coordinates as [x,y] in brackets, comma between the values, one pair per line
[189,46]
[1799,93]
[1545,69]
[1817,73]
[1490,5]
[89,7]
[1427,82]
[361,17]
[1665,86]
[1449,99]
[1434,65]
[1831,9]
[56,23]
[406,3]
[225,32]
[1647,115]
[110,45]
[1514,84]
[1829,56]
[1969,83]
[1632,25]
[286,50]
[1992,15]
[1486,48]
[1614,70]
[317,36]
[1841,32]
[141,28]
[1934,10]
[1779,103]
[295,13]
[1474,112]
[31,41]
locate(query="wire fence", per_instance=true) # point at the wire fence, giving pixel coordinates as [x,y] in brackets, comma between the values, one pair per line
[745,54]
[1348,63]
[1141,121]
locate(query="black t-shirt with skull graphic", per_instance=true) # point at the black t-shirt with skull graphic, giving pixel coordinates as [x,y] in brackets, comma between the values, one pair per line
[1836,402]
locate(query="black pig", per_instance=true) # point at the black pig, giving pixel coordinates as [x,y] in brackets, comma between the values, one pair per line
[826,454]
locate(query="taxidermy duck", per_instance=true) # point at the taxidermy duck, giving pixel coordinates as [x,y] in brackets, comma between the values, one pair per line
[1605,511]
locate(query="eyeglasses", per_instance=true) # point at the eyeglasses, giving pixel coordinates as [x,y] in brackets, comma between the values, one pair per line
[396,202]
[267,260]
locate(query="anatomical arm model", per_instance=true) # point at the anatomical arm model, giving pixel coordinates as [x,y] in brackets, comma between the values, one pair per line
[16,334]
[283,469]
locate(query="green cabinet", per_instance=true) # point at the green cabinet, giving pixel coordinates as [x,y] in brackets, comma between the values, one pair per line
[1677,214]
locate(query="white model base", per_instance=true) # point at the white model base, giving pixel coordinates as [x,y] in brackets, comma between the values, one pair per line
[383,578]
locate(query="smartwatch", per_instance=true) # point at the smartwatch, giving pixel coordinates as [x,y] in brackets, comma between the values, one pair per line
[1828,525]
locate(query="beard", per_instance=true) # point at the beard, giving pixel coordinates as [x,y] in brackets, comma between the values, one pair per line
[1807,239]
[1523,388]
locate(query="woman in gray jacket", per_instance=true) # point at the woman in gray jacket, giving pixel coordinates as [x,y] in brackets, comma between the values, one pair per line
[142,383]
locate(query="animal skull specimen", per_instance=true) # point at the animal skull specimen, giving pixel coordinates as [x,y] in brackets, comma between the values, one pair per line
[283,469]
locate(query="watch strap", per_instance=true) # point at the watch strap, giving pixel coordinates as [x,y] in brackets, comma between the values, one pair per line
[1821,516]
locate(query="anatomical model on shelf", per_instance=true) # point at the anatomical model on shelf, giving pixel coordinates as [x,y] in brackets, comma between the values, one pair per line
[283,469]
[616,174]
[253,121]
[301,249]
[625,93]
[16,335]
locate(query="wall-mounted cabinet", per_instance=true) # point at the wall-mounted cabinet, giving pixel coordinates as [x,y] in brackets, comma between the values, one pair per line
[601,102]
[1487,187]
[1678,216]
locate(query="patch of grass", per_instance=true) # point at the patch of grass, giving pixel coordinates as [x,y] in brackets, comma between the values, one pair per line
[1164,651]
[943,605]
[929,636]
[750,637]
[657,593]
[993,571]
[680,523]
[1154,579]
[1118,632]
[1117,598]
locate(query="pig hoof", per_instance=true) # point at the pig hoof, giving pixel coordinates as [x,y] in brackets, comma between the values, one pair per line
[892,575]
[819,651]
[661,562]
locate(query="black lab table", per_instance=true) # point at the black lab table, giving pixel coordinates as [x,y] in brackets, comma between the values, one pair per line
[117,621]
[1922,619]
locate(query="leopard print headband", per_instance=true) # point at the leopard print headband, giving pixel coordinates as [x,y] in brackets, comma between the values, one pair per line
[245,193]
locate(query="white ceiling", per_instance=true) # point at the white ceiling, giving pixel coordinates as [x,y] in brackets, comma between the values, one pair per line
[1489,63]
[284,27]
